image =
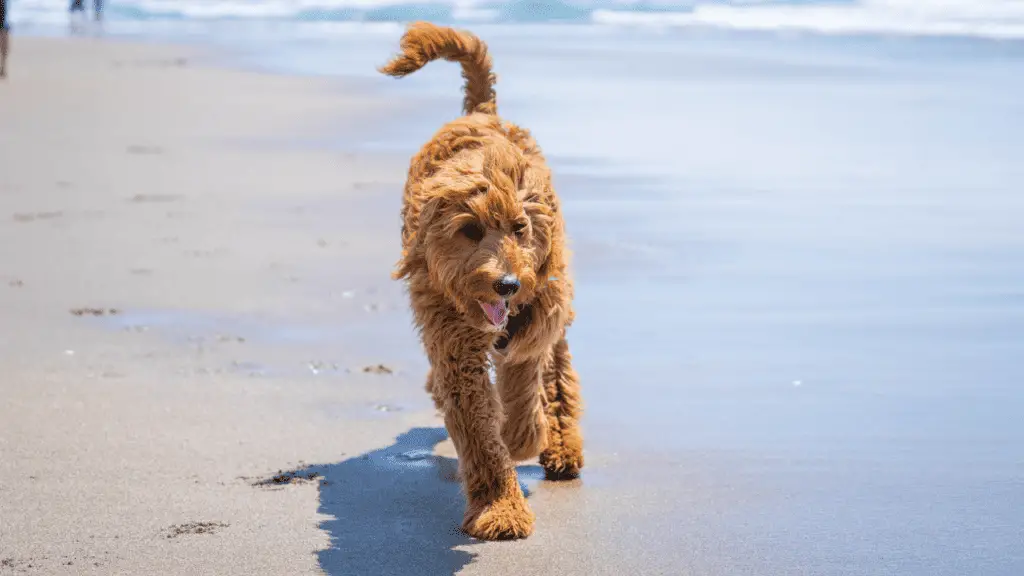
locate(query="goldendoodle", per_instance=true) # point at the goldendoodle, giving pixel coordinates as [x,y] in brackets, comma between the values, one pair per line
[486,266]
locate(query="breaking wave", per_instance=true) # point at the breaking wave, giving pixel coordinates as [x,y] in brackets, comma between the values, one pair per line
[1003,19]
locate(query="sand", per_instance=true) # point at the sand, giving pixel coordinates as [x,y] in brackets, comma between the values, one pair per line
[186,271]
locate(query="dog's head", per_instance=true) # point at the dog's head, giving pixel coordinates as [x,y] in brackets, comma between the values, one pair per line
[484,234]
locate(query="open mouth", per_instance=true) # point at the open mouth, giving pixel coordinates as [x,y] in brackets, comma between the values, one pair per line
[496,312]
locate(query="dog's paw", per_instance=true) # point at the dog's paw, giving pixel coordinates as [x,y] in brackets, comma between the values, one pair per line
[508,518]
[562,462]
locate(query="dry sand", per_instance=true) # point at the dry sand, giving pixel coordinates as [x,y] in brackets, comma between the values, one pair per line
[197,204]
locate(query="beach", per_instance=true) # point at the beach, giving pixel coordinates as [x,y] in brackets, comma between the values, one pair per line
[799,307]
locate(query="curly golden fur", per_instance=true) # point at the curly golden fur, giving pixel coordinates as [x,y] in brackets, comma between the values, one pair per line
[485,262]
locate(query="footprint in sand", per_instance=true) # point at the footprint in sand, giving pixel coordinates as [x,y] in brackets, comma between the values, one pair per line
[33,216]
[143,198]
[143,149]
[160,63]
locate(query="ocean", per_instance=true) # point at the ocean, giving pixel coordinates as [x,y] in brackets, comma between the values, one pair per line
[982,18]
[798,243]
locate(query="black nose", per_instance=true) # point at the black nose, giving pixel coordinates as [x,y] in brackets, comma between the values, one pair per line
[507,285]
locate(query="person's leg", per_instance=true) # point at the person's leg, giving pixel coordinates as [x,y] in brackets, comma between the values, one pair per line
[4,44]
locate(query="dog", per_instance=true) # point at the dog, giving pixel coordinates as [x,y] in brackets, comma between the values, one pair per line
[486,269]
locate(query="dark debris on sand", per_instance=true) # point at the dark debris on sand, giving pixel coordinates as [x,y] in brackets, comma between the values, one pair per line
[33,216]
[95,311]
[290,477]
[32,564]
[194,528]
[378,369]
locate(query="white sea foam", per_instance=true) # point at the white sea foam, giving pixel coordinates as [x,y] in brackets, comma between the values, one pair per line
[981,18]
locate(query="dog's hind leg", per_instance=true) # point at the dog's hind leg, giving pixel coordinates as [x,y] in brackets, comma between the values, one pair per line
[496,508]
[563,457]
[524,429]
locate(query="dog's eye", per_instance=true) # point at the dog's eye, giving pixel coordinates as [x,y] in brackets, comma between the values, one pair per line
[473,231]
[519,228]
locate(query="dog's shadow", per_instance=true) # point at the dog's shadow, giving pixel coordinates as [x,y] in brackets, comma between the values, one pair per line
[396,510]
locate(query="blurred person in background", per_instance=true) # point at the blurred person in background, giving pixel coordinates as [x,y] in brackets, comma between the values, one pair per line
[79,6]
[4,32]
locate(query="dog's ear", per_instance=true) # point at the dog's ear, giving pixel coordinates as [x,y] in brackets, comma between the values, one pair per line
[417,227]
[545,235]
[553,261]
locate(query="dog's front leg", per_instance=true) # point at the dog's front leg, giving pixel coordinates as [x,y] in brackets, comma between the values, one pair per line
[496,508]
[524,429]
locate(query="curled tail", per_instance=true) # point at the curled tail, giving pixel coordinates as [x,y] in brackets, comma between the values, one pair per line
[424,42]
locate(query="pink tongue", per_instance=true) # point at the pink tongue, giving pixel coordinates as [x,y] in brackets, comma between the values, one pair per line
[495,312]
